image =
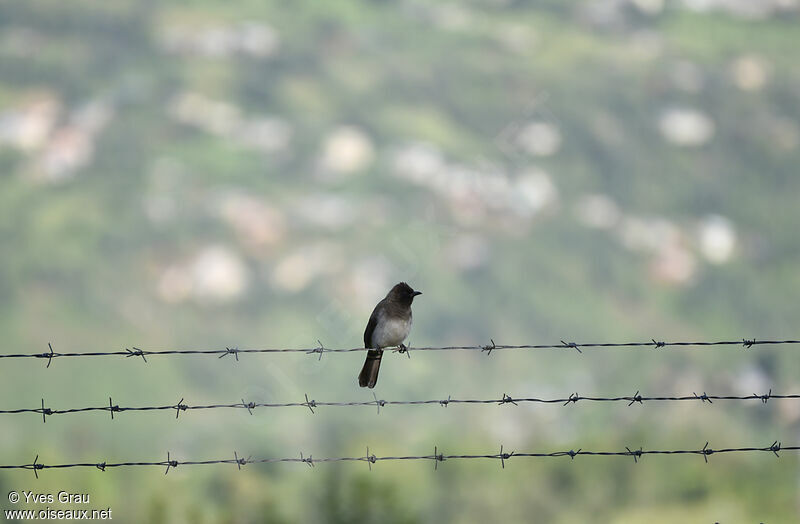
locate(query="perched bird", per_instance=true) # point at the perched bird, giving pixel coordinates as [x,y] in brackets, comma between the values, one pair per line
[388,326]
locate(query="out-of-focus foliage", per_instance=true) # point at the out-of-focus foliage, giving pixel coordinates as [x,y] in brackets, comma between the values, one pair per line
[206,174]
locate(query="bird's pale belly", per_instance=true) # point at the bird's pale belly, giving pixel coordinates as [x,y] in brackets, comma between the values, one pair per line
[391,332]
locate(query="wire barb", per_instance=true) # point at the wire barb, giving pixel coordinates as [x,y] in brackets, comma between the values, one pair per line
[748,343]
[489,348]
[319,349]
[703,397]
[572,345]
[573,398]
[180,406]
[504,456]
[507,400]
[635,398]
[36,466]
[239,461]
[249,406]
[309,460]
[170,463]
[764,398]
[444,403]
[437,457]
[636,454]
[310,404]
[658,344]
[112,408]
[379,403]
[706,451]
[45,412]
[135,353]
[48,356]
[231,351]
[371,459]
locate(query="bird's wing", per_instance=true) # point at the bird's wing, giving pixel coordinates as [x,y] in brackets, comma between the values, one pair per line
[373,322]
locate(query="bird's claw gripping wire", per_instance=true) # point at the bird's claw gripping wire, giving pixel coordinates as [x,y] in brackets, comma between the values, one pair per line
[402,348]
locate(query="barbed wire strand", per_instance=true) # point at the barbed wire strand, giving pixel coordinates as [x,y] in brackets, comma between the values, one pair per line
[320,349]
[437,457]
[311,404]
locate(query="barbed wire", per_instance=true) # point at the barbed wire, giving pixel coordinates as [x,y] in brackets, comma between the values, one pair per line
[320,349]
[311,404]
[437,457]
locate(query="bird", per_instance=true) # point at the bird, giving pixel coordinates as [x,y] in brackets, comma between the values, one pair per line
[388,326]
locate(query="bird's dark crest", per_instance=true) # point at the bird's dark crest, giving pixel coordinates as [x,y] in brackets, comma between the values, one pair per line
[402,294]
[402,286]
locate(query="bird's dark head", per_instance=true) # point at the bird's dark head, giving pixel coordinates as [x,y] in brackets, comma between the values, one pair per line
[403,294]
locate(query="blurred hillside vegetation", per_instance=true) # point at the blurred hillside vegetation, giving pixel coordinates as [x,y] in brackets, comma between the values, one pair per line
[259,173]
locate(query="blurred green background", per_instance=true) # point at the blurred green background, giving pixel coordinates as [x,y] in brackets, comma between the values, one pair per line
[259,173]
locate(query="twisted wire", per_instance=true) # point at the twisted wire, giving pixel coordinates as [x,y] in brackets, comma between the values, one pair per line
[320,349]
[311,404]
[437,457]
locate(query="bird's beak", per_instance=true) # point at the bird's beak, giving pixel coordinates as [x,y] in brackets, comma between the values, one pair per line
[417,293]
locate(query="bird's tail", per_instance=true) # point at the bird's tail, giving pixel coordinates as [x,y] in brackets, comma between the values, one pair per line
[369,373]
